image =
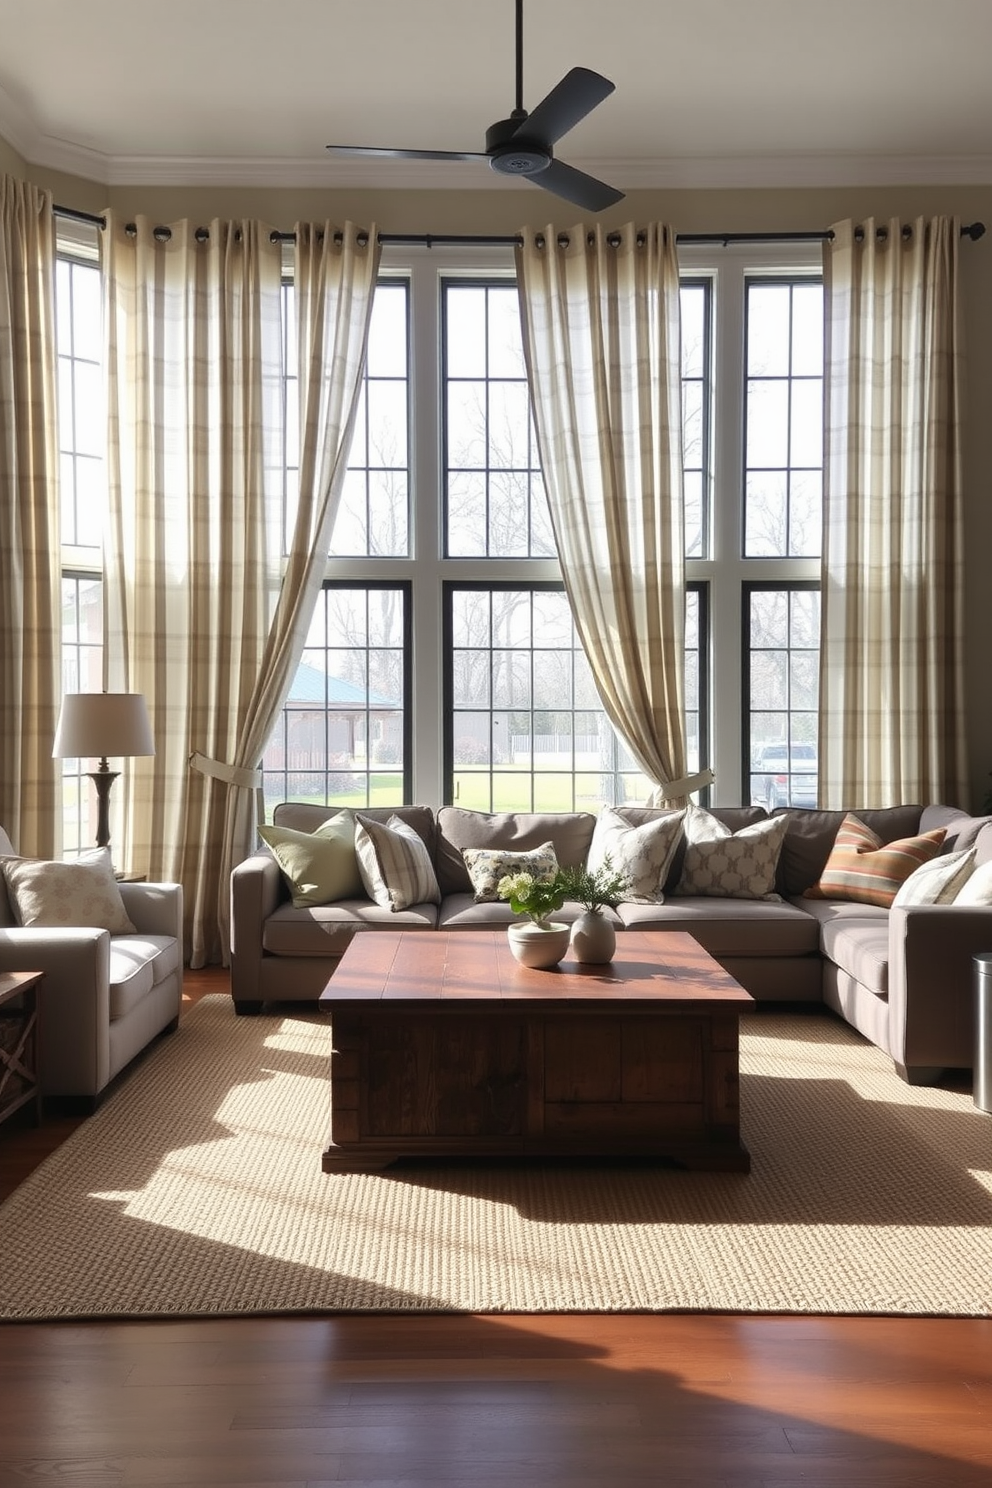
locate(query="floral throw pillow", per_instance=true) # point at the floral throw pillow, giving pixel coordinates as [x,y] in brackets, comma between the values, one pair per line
[67,894]
[643,854]
[723,864]
[487,865]
[862,869]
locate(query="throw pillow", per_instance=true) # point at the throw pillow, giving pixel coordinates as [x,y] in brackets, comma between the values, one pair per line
[731,865]
[395,865]
[318,866]
[487,865]
[861,869]
[644,853]
[67,895]
[978,888]
[937,882]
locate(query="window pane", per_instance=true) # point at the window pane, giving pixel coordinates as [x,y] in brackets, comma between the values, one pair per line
[341,739]
[494,498]
[782,695]
[784,419]
[526,730]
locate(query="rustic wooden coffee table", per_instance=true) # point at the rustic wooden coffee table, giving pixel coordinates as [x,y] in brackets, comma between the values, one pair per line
[444,1045]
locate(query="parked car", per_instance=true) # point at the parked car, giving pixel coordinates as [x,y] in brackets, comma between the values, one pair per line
[785,776]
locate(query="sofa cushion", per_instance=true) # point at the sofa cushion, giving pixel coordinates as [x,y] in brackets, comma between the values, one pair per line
[318,866]
[937,882]
[867,871]
[983,846]
[727,864]
[569,832]
[137,964]
[488,866]
[810,835]
[304,816]
[960,829]
[860,947]
[326,929]
[394,863]
[643,854]
[731,927]
[63,894]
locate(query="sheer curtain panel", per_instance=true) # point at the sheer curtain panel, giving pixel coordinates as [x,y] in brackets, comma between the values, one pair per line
[193,563]
[334,276]
[600,314]
[891,682]
[30,586]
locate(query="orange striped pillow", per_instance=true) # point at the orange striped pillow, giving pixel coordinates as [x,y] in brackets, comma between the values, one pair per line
[863,869]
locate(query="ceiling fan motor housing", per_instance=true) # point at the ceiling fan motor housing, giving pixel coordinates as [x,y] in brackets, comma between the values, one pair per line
[513,154]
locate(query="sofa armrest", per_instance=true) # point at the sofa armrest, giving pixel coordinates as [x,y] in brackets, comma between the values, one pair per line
[73,1005]
[257,889]
[155,908]
[932,982]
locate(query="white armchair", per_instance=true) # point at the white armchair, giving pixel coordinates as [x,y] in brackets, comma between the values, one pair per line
[104,997]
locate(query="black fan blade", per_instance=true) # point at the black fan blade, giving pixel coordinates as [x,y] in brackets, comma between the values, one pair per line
[404,154]
[575,186]
[576,95]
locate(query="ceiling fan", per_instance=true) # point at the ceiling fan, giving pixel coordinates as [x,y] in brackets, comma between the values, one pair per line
[522,145]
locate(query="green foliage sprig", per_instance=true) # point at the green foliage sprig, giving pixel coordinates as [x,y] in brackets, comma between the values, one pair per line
[538,897]
[603,887]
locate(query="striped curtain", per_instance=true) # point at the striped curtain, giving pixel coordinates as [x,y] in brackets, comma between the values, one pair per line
[30,586]
[601,327]
[192,555]
[891,680]
[205,612]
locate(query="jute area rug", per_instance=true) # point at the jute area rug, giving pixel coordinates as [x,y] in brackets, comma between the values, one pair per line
[197,1190]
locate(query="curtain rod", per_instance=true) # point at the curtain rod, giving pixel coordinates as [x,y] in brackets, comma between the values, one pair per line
[972,230]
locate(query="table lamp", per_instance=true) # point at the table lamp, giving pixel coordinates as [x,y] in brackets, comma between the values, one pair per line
[95,724]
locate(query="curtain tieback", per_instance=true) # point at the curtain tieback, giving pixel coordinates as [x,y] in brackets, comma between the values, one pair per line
[673,789]
[230,774]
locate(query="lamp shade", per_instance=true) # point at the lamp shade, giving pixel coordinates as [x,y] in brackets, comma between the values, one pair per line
[97,724]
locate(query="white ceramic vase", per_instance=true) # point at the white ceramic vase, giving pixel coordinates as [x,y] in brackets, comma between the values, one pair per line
[538,946]
[594,938]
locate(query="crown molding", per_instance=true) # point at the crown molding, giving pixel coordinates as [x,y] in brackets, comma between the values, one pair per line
[684,173]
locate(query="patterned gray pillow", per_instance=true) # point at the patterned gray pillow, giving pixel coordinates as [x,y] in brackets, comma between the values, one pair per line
[487,865]
[644,854]
[731,865]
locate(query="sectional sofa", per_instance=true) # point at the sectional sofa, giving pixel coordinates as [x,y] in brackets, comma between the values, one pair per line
[902,976]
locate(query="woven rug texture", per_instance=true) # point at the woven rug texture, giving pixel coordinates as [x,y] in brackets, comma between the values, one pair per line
[197,1190]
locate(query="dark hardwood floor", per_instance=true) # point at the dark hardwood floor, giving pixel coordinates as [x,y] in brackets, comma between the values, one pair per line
[687,1401]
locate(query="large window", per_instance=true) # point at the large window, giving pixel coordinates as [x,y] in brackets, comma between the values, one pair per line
[82,484]
[442,663]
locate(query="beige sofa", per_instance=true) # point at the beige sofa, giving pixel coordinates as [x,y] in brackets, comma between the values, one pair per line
[104,997]
[902,977]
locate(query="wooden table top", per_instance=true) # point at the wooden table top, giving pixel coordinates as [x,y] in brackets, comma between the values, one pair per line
[653,970]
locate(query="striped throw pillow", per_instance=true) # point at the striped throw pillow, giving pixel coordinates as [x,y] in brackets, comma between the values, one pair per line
[394,863]
[864,870]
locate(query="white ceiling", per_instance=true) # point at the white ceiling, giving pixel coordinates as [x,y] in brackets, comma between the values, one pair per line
[708,92]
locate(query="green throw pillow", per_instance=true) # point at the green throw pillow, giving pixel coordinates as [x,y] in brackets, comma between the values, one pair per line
[319,866]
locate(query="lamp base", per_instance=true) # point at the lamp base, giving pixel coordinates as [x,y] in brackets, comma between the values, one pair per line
[103,779]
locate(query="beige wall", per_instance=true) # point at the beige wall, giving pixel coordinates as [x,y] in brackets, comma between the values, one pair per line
[496,210]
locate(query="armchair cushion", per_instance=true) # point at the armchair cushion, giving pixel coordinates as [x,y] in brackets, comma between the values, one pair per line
[57,895]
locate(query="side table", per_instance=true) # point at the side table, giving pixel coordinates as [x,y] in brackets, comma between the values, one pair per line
[19,1042]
